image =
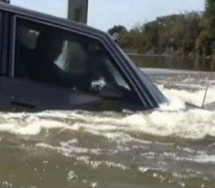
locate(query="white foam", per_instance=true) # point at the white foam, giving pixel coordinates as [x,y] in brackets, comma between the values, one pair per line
[31,128]
[97,164]
[70,151]
[174,104]
[178,97]
[200,158]
[71,175]
[195,123]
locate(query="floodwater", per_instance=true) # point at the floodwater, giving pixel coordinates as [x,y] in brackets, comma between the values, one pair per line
[175,62]
[166,148]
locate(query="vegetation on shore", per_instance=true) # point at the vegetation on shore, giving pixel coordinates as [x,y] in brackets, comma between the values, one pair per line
[184,34]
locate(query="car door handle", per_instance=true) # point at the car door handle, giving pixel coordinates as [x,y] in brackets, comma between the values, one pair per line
[22,104]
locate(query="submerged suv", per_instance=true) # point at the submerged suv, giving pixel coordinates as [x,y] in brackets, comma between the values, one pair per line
[53,63]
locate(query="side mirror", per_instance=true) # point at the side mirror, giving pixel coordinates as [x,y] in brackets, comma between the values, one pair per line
[112,98]
[110,93]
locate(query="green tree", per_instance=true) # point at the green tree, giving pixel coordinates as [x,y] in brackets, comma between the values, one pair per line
[150,35]
[117,29]
[206,38]
[173,34]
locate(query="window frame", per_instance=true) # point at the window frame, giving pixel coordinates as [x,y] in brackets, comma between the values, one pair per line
[123,63]
[2,32]
[4,42]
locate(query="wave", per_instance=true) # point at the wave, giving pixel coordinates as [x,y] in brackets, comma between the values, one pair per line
[123,127]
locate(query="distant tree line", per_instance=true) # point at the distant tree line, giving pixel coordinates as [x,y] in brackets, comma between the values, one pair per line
[183,34]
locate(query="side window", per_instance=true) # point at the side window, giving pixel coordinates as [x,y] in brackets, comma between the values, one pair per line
[55,56]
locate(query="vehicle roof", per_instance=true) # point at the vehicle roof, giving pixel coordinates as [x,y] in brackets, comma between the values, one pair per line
[51,19]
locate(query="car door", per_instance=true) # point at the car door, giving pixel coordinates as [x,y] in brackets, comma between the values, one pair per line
[8,86]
